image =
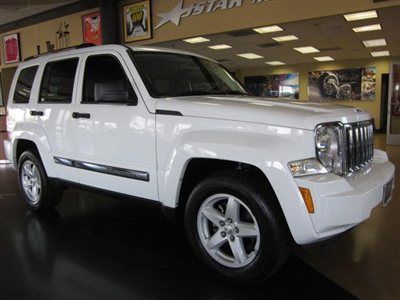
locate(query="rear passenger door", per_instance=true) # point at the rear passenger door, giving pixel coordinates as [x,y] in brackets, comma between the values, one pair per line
[114,132]
[54,108]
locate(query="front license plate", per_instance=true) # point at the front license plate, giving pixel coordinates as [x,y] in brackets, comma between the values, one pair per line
[387,192]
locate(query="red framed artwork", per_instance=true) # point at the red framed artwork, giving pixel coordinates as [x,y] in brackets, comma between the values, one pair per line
[91,24]
[11,48]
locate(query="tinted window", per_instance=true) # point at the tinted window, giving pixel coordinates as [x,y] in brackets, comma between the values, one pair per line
[58,81]
[172,74]
[105,81]
[24,84]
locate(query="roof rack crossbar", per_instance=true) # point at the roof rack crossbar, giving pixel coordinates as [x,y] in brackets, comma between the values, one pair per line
[80,46]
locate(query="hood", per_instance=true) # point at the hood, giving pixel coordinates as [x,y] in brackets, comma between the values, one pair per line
[295,114]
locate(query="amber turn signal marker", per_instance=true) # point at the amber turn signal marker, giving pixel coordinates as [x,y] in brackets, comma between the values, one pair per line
[306,193]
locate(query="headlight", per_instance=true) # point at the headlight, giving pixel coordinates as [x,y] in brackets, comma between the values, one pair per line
[328,141]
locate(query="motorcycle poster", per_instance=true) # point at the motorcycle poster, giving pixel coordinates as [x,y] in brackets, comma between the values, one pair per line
[346,84]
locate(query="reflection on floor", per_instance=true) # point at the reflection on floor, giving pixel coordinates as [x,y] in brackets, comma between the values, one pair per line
[366,261]
[94,247]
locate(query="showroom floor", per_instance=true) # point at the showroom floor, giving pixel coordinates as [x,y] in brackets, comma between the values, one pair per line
[96,247]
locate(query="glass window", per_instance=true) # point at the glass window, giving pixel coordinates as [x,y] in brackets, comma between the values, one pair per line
[58,81]
[24,84]
[173,74]
[105,81]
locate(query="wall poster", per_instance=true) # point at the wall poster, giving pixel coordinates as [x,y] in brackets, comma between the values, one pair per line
[137,21]
[91,24]
[285,86]
[346,84]
[11,48]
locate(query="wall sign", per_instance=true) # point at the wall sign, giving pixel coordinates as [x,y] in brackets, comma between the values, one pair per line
[91,24]
[347,84]
[62,35]
[202,7]
[137,21]
[11,48]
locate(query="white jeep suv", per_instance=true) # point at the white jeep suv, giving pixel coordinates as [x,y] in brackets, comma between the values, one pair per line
[246,175]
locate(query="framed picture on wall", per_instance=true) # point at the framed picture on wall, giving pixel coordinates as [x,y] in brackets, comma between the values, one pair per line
[11,48]
[91,24]
[137,21]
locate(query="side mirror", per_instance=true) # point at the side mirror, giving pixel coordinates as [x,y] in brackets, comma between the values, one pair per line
[114,92]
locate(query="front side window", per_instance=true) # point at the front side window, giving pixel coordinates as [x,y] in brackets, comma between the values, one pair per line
[173,74]
[24,84]
[58,81]
[105,81]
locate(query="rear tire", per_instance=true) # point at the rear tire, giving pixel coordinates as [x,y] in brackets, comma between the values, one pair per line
[38,191]
[249,247]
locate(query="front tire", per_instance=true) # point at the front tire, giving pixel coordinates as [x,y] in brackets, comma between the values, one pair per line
[236,228]
[37,189]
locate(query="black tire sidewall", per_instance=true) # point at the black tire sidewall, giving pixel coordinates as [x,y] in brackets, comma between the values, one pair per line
[263,264]
[28,155]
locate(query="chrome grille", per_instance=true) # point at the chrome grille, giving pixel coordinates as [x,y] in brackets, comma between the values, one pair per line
[359,145]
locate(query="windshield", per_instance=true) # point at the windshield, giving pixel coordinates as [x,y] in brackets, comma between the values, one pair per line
[172,75]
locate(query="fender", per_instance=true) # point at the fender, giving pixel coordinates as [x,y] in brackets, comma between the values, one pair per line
[269,153]
[34,133]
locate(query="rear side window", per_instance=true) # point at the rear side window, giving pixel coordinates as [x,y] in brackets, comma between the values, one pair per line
[58,81]
[105,81]
[24,84]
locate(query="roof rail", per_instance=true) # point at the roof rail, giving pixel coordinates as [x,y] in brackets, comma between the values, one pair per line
[80,46]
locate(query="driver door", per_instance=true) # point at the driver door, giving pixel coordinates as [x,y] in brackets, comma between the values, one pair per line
[114,132]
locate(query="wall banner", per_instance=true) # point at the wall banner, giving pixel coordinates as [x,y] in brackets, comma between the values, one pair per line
[137,21]
[11,48]
[346,84]
[91,25]
[285,86]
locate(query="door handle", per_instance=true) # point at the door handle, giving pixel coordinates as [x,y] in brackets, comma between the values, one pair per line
[77,115]
[36,113]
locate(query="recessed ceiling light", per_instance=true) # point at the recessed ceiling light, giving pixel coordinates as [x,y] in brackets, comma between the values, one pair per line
[285,38]
[374,43]
[361,16]
[306,50]
[323,58]
[275,63]
[380,53]
[250,55]
[268,29]
[220,47]
[373,27]
[196,40]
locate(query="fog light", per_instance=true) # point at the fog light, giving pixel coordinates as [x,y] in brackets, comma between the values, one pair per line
[306,194]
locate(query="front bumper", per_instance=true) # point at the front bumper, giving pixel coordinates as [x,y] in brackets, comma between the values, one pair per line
[342,202]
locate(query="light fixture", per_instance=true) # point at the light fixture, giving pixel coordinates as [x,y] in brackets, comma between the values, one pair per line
[275,63]
[250,55]
[323,58]
[380,53]
[306,50]
[374,43]
[220,47]
[366,28]
[285,38]
[361,15]
[196,40]
[268,29]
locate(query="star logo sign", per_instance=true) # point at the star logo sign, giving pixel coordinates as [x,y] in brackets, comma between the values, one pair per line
[173,16]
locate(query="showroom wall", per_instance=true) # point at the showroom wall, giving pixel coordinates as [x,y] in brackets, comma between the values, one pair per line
[373,106]
[37,35]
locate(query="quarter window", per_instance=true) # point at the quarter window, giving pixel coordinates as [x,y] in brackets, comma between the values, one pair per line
[24,84]
[58,81]
[105,81]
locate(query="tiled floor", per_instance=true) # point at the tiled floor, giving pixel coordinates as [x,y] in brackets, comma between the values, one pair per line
[366,261]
